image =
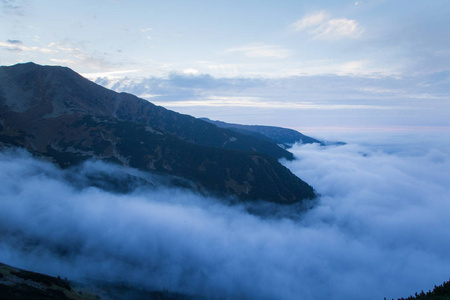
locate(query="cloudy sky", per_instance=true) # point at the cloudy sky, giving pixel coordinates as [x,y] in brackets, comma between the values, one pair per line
[311,65]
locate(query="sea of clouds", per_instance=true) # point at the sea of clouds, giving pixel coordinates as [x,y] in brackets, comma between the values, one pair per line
[379,228]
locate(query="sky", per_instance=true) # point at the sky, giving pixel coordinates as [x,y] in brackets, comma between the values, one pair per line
[379,229]
[315,66]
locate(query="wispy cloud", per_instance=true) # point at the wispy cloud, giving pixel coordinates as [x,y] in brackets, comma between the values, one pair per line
[146,31]
[109,75]
[76,55]
[261,51]
[321,26]
[256,102]
[14,42]
[16,45]
[309,21]
[11,7]
[62,61]
[337,29]
[228,69]
[65,47]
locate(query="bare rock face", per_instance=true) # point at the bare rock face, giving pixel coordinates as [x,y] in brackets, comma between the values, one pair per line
[56,113]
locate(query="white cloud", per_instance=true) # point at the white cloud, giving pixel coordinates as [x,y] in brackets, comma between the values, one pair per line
[64,47]
[354,67]
[15,45]
[337,29]
[224,70]
[110,74]
[312,20]
[321,26]
[62,61]
[256,102]
[79,57]
[261,51]
[363,67]
[190,71]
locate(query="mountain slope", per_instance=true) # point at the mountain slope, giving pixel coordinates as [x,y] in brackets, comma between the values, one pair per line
[18,284]
[56,113]
[279,135]
[50,92]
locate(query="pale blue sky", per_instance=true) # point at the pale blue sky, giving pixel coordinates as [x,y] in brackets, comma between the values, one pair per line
[399,48]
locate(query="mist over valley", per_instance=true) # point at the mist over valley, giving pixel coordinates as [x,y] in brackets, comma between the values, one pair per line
[378,228]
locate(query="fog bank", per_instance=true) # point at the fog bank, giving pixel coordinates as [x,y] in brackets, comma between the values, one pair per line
[379,229]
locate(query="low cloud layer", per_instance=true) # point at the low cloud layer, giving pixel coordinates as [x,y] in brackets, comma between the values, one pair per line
[380,229]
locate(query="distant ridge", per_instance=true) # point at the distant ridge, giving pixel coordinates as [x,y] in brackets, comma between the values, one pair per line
[282,136]
[54,112]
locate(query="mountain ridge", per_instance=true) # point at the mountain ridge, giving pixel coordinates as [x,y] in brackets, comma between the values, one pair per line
[54,112]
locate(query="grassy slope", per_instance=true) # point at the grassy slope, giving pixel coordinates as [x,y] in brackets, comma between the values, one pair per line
[17,284]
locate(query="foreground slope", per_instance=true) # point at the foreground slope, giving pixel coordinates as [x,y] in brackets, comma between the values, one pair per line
[56,113]
[18,284]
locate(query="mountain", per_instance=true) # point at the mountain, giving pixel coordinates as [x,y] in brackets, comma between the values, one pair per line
[281,136]
[55,113]
[18,284]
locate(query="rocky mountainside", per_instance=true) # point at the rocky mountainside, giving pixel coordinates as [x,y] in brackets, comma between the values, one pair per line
[53,112]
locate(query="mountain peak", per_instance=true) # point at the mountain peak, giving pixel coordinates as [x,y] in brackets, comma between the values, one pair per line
[31,66]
